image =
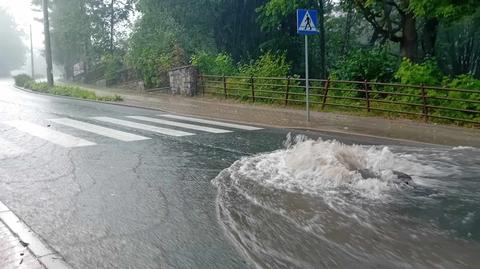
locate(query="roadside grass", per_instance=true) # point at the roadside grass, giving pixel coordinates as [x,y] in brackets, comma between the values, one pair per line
[63,90]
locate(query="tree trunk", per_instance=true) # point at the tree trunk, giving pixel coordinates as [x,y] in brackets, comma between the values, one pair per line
[408,44]
[48,47]
[348,29]
[429,37]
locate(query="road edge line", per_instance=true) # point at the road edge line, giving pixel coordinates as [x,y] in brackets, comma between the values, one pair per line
[45,254]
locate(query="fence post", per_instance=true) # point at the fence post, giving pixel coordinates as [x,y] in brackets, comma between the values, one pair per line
[367,95]
[425,103]
[202,82]
[253,88]
[325,93]
[288,89]
[224,86]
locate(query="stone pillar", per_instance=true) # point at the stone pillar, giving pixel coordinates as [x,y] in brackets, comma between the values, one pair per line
[183,80]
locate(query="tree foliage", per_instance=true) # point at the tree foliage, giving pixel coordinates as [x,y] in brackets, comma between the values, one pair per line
[426,73]
[225,36]
[375,64]
[214,64]
[84,31]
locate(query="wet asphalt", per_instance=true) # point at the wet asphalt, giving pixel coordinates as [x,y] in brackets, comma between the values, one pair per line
[141,204]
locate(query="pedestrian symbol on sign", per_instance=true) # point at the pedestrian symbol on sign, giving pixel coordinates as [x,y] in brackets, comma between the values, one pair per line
[306,22]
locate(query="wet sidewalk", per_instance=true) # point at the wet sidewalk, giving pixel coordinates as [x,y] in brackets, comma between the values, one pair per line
[276,116]
[13,254]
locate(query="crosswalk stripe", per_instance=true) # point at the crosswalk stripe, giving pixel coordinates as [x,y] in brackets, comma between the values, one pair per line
[145,127]
[211,122]
[100,130]
[181,125]
[8,149]
[49,134]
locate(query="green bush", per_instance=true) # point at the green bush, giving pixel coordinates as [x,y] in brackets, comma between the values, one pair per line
[152,61]
[427,73]
[268,65]
[22,79]
[208,64]
[39,87]
[366,64]
[461,82]
[113,64]
[115,98]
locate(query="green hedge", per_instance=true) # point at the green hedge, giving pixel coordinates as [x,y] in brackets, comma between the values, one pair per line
[63,90]
[22,79]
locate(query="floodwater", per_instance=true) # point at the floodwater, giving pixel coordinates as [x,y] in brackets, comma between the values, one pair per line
[309,205]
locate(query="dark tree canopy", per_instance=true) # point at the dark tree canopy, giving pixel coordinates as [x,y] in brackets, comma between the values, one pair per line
[235,33]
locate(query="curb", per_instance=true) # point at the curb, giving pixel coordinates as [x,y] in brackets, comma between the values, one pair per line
[46,255]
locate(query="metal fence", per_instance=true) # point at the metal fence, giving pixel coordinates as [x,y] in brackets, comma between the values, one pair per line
[414,101]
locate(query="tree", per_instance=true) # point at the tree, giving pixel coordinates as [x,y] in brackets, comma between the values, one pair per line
[109,20]
[169,32]
[48,47]
[84,31]
[397,21]
[11,45]
[237,29]
[458,46]
[71,34]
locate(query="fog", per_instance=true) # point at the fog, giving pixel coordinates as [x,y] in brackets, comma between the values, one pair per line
[16,17]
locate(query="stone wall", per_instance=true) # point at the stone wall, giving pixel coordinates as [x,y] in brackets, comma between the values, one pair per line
[183,80]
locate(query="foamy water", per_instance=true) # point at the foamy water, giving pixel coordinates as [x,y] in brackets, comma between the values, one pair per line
[312,205]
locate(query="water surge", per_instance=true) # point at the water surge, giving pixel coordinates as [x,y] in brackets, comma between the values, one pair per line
[324,204]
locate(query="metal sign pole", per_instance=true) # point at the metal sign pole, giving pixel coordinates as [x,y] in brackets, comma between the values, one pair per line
[307,84]
[306,25]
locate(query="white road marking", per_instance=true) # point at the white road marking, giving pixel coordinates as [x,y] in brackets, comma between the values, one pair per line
[8,149]
[211,122]
[49,134]
[100,130]
[145,127]
[181,125]
[40,250]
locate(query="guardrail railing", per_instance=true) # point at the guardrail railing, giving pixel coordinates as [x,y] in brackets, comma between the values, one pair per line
[413,101]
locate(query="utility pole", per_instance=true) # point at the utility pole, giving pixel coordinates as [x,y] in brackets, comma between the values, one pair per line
[112,24]
[48,48]
[31,53]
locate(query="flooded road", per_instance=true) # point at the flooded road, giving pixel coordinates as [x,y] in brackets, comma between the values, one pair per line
[310,206]
[213,195]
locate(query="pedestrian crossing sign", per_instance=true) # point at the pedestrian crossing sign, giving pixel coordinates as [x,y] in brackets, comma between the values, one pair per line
[307,22]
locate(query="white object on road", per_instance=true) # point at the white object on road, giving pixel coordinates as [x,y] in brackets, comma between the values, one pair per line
[141,126]
[100,130]
[211,122]
[56,137]
[181,125]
